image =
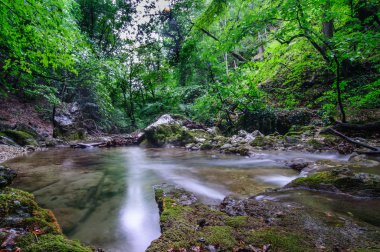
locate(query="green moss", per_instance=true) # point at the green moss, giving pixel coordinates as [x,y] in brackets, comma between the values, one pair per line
[206,146]
[220,235]
[20,137]
[236,221]
[294,133]
[180,235]
[279,241]
[171,210]
[50,243]
[159,194]
[324,177]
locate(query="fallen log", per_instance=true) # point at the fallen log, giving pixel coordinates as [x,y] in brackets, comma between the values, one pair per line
[85,145]
[375,150]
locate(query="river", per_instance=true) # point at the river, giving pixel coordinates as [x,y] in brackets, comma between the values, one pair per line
[105,197]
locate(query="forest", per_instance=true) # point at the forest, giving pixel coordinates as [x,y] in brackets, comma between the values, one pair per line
[274,98]
[125,62]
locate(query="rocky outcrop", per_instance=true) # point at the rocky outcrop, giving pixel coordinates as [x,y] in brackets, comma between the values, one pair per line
[248,225]
[179,131]
[68,122]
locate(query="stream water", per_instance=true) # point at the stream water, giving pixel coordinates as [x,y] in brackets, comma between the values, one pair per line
[104,197]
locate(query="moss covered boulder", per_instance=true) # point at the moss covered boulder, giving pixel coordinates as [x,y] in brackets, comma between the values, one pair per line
[174,130]
[20,137]
[341,180]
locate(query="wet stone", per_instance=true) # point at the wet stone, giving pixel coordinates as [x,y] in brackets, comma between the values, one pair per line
[6,176]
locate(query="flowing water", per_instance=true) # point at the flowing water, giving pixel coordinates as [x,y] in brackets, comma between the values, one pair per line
[105,197]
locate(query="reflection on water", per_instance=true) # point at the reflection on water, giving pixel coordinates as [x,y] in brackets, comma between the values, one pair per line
[105,197]
[137,215]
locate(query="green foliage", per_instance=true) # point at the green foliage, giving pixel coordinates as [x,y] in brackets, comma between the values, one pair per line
[214,61]
[279,241]
[37,38]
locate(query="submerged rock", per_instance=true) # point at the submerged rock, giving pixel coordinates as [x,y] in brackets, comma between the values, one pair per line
[297,164]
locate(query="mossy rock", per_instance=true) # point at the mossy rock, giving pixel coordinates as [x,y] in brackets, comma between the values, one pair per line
[199,133]
[171,133]
[262,141]
[18,209]
[20,137]
[50,243]
[343,179]
[206,146]
[241,150]
[70,135]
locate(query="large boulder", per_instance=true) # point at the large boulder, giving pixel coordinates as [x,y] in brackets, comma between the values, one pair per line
[68,122]
[174,130]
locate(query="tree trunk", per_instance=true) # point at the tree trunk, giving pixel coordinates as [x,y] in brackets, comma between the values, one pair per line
[328,23]
[226,60]
[328,29]
[339,93]
[261,47]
